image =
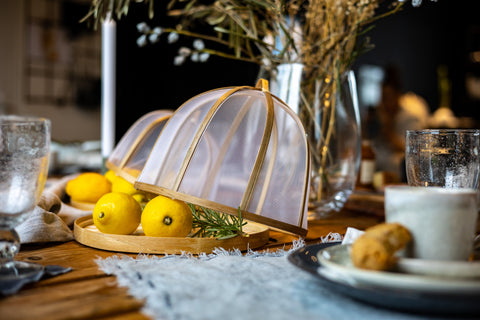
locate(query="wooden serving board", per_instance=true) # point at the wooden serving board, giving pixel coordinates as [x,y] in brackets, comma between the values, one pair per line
[87,234]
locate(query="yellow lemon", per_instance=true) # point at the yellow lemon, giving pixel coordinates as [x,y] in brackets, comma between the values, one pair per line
[110,175]
[117,213]
[88,187]
[119,184]
[165,217]
[140,197]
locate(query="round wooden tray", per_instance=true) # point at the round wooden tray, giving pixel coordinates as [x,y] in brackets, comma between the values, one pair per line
[86,233]
[82,205]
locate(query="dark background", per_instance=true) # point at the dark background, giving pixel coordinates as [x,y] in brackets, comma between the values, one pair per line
[416,40]
[419,40]
[148,80]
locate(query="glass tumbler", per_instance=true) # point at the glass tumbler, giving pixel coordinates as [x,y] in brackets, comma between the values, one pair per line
[24,153]
[448,158]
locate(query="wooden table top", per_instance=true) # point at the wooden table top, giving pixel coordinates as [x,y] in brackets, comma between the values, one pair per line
[86,292]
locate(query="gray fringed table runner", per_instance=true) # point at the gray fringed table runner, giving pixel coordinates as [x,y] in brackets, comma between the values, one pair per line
[231,285]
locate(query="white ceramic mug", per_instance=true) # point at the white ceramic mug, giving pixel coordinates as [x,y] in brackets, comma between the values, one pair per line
[442,221]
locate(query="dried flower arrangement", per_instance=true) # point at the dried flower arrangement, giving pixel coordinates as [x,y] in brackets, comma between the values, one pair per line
[316,33]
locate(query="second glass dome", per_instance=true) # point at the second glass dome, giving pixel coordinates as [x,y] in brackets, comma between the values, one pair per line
[132,151]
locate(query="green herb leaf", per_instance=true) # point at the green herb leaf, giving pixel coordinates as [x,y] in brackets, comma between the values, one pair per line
[211,223]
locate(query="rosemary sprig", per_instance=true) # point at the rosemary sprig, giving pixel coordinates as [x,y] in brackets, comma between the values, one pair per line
[210,223]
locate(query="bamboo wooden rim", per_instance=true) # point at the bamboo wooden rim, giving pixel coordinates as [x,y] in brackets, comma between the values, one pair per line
[223,150]
[262,151]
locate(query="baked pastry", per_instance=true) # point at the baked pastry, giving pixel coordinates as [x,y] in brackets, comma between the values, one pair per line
[376,248]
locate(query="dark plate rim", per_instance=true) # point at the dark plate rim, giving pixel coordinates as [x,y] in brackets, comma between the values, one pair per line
[435,303]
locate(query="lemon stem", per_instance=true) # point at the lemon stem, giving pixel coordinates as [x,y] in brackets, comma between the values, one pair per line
[167,220]
[101,215]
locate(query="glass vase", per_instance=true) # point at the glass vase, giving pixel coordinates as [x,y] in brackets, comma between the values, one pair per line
[329,111]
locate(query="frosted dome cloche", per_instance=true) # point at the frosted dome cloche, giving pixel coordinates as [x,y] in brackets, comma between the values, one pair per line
[131,152]
[231,149]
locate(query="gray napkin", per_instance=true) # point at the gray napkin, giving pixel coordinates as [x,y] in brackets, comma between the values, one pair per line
[52,219]
[9,286]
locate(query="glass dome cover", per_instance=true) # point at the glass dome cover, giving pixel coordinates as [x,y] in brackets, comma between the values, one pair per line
[231,149]
[131,153]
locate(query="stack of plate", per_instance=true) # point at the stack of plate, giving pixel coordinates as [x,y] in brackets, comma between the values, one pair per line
[416,286]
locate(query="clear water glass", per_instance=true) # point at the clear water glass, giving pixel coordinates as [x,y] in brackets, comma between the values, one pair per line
[24,153]
[448,158]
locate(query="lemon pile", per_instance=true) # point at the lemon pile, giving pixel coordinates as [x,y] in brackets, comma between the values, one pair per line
[88,187]
[120,213]
[118,207]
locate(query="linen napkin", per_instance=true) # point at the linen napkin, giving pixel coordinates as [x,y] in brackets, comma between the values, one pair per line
[44,224]
[351,235]
[52,219]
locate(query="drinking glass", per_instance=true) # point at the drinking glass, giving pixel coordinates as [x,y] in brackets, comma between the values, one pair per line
[24,150]
[448,158]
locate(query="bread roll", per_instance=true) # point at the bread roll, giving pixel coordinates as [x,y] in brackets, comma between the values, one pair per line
[375,249]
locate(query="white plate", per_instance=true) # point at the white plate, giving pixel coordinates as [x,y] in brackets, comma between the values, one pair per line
[337,266]
[450,269]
